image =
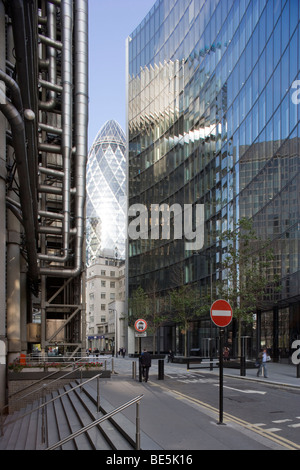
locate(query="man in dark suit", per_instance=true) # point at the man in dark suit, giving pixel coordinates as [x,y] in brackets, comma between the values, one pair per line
[145,363]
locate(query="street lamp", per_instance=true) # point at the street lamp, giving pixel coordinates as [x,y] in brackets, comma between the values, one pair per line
[208,256]
[116,331]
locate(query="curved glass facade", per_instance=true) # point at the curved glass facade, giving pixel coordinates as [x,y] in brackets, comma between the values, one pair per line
[106,192]
[213,119]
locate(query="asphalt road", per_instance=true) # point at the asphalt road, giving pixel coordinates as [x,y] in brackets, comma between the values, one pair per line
[182,411]
[271,410]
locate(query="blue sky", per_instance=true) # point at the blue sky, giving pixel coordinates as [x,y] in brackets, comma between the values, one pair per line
[110,23]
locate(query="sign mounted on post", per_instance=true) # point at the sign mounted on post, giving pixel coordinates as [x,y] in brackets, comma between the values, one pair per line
[221,313]
[140,326]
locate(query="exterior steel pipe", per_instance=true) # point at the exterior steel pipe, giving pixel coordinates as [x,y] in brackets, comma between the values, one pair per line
[50,86]
[19,144]
[43,188]
[51,215]
[52,129]
[23,48]
[67,116]
[81,121]
[51,52]
[50,42]
[51,172]
[14,89]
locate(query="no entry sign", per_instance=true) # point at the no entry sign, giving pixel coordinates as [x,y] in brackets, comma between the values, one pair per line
[221,313]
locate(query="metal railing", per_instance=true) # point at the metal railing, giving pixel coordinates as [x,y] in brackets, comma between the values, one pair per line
[103,418]
[43,387]
[45,361]
[50,401]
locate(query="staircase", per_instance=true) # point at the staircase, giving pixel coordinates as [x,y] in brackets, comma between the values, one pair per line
[66,415]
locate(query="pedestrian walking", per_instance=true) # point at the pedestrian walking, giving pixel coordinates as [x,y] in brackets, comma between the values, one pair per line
[170,356]
[145,364]
[226,354]
[262,359]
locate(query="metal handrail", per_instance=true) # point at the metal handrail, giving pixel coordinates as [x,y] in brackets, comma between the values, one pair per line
[103,418]
[48,384]
[43,378]
[46,403]
[38,389]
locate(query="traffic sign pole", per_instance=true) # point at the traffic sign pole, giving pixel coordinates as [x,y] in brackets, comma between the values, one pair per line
[221,345]
[140,326]
[221,315]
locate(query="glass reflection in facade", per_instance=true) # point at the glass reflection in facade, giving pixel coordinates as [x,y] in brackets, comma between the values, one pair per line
[106,191]
[213,119]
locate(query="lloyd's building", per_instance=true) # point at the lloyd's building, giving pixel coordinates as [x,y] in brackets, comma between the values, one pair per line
[213,119]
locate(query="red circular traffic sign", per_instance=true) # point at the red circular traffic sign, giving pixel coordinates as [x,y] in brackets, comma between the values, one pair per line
[221,313]
[140,325]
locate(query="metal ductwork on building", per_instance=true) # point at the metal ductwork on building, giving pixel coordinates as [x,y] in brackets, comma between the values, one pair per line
[44,99]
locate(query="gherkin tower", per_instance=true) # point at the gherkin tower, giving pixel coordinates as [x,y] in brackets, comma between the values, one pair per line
[106,193]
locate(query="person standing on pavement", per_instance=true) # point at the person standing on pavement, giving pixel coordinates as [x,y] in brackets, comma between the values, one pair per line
[170,356]
[146,364]
[263,363]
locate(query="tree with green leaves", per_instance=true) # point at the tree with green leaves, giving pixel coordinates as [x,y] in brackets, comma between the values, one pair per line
[246,282]
[186,305]
[150,307]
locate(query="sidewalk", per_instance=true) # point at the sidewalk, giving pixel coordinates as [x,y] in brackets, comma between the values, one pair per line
[278,373]
[175,421]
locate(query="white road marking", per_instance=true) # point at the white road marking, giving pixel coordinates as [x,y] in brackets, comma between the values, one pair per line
[243,391]
[278,421]
[273,429]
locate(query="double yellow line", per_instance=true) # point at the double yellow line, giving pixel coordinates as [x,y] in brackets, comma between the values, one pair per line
[252,427]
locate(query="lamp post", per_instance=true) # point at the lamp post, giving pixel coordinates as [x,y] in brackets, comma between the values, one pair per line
[116,330]
[208,256]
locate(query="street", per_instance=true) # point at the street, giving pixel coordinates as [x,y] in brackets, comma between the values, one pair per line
[181,412]
[263,407]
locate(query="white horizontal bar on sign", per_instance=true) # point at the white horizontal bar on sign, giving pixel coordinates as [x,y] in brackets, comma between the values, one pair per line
[221,313]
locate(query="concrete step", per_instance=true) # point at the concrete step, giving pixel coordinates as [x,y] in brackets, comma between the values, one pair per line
[112,438]
[64,416]
[27,437]
[62,423]
[11,431]
[82,442]
[96,438]
[53,435]
[120,421]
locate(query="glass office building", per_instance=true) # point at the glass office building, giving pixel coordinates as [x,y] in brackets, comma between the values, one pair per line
[213,119]
[106,194]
